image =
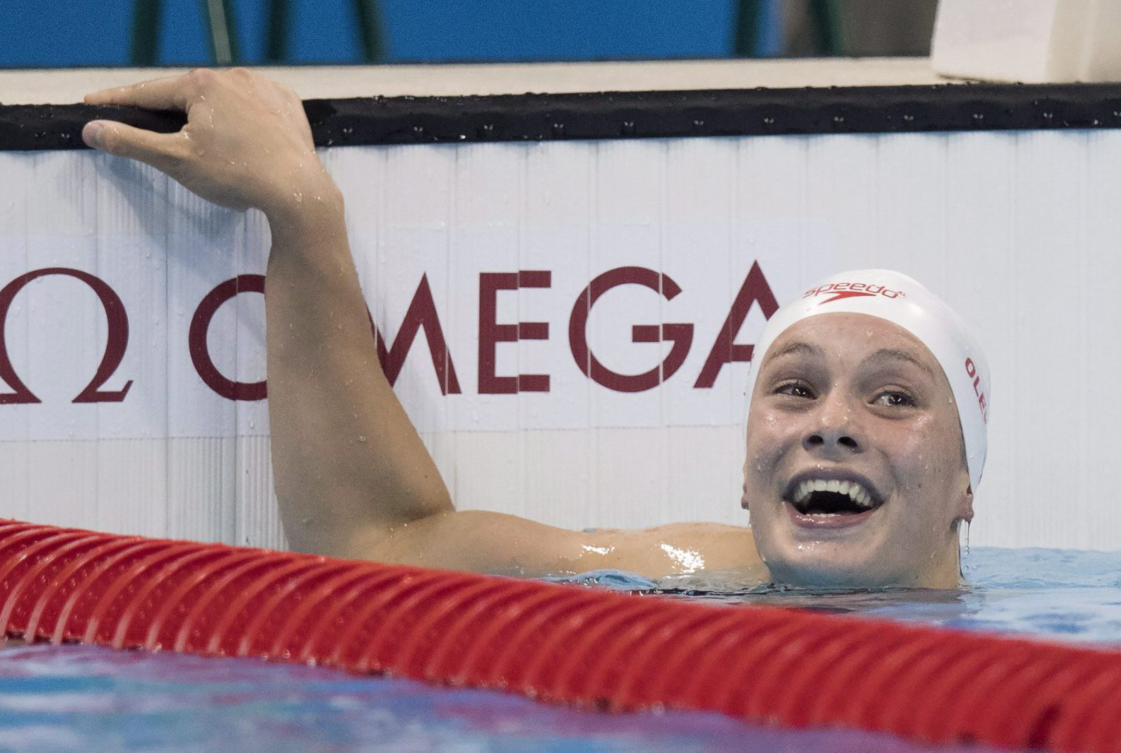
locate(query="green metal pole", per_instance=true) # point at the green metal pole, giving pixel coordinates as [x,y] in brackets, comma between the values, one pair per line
[222,32]
[371,29]
[146,18]
[276,45]
[827,27]
[745,35]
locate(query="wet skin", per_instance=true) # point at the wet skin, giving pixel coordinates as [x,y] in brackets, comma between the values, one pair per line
[856,398]
[839,394]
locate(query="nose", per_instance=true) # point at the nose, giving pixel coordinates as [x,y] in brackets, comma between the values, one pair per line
[833,429]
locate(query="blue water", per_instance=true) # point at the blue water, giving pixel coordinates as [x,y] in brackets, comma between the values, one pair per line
[78,698]
[1070,596]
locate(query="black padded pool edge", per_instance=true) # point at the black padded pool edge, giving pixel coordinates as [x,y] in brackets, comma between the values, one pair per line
[631,115]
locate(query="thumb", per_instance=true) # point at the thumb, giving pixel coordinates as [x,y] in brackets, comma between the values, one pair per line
[155,149]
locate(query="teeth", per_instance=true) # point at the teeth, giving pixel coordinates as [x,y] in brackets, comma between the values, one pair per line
[855,491]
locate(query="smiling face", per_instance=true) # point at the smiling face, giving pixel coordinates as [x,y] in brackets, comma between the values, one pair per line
[855,473]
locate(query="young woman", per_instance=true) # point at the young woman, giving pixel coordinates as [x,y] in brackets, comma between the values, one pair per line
[865,435]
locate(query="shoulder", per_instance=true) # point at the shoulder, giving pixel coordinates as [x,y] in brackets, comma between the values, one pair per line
[505,544]
[682,548]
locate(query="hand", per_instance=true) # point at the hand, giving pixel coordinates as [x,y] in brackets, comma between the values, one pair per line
[247,142]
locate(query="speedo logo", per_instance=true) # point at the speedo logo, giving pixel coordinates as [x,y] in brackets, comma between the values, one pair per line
[841,290]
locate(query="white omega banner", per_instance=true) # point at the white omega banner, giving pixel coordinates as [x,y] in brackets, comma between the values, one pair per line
[568,324]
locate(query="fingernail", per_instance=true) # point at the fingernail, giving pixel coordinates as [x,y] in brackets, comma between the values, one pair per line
[91,134]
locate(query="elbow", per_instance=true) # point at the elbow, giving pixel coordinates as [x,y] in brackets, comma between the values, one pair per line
[428,502]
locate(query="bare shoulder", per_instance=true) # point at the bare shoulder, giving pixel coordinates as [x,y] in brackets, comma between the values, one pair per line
[685,548]
[505,544]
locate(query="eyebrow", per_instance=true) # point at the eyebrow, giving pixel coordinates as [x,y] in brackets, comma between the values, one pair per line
[798,347]
[894,354]
[881,356]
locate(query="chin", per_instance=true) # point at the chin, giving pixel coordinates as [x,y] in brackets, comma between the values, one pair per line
[826,565]
[831,575]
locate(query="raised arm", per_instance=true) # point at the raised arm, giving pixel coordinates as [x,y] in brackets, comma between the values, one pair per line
[352,477]
[348,464]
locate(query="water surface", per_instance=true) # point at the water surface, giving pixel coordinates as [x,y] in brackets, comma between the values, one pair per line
[83,698]
[1053,594]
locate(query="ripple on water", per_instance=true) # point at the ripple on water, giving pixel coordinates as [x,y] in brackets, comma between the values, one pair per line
[1067,595]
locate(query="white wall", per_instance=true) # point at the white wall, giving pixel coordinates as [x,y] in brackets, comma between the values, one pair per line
[1019,231]
[65,85]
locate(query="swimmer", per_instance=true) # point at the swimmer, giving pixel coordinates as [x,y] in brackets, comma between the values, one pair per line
[865,433]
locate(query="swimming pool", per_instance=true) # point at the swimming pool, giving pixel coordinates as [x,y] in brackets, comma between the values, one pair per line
[85,697]
[1065,595]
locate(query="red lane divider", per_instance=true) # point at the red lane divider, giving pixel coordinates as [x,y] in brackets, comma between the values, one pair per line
[568,644]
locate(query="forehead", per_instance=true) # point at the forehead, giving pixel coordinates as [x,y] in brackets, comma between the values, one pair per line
[853,337]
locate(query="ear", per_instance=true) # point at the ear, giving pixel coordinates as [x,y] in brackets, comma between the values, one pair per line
[965,504]
[743,497]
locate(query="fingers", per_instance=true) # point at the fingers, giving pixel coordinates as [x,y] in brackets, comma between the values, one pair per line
[160,150]
[169,93]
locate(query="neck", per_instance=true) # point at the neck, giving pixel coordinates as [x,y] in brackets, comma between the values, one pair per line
[945,568]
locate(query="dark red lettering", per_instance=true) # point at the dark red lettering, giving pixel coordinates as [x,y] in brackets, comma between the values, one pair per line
[200,351]
[491,332]
[971,370]
[421,313]
[115,346]
[681,335]
[725,350]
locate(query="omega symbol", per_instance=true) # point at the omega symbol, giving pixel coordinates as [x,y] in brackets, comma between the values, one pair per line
[115,345]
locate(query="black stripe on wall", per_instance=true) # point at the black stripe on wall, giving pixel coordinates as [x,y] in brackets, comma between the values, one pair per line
[626,115]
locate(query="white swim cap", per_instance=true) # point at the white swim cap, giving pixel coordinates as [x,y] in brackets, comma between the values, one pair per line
[902,301]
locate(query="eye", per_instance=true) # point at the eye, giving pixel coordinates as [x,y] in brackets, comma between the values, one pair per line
[895,399]
[794,389]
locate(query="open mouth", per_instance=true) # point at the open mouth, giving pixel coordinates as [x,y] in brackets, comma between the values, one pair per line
[820,501]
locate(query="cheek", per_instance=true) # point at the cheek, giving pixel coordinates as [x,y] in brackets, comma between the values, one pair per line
[768,438]
[924,460]
[915,439]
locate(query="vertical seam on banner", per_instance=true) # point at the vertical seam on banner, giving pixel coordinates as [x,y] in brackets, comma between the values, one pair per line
[452,183]
[665,503]
[168,319]
[593,219]
[943,212]
[1083,140]
[97,231]
[523,201]
[1010,249]
[27,327]
[733,242]
[238,258]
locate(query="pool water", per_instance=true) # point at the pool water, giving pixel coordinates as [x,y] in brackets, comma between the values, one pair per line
[87,698]
[81,698]
[1053,594]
